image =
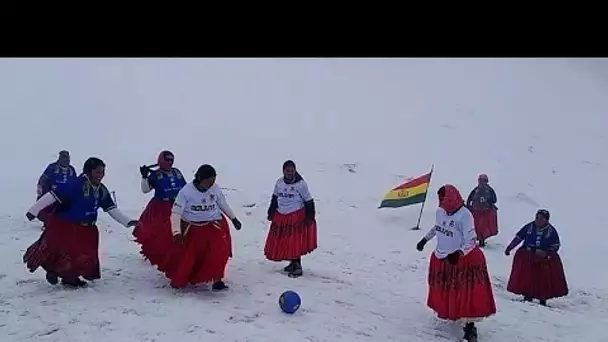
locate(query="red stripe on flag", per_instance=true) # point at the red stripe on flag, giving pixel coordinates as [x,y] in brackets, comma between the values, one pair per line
[415,182]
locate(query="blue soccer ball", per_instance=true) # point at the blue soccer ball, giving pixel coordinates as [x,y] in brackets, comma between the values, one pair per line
[290,302]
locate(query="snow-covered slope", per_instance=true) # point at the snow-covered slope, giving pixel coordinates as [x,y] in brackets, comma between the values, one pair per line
[355,128]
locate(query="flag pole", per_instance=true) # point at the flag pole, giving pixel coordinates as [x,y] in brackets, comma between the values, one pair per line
[423,203]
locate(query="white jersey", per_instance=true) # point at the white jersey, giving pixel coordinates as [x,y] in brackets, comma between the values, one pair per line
[291,197]
[456,232]
[194,205]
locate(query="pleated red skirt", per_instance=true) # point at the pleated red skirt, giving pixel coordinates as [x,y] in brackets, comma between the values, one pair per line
[536,276]
[68,249]
[486,223]
[462,291]
[202,258]
[289,238]
[154,231]
[44,213]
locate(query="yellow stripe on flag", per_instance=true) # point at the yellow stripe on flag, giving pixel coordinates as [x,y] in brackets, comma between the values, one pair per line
[406,193]
[413,191]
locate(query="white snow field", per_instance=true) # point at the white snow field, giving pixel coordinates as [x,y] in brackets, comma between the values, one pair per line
[355,128]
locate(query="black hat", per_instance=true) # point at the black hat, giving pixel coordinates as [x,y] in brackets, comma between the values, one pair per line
[204,172]
[544,213]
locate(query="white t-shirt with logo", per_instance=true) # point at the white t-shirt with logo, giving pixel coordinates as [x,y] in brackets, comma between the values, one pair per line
[456,232]
[194,205]
[291,197]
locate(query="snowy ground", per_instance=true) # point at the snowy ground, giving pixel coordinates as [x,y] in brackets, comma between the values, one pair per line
[355,128]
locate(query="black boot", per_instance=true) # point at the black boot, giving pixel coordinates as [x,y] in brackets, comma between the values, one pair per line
[289,268]
[543,302]
[52,278]
[297,269]
[76,283]
[527,298]
[482,243]
[219,286]
[470,332]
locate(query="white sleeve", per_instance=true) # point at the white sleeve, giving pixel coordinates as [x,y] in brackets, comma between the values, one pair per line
[469,236]
[176,224]
[42,203]
[431,234]
[145,186]
[304,191]
[276,189]
[180,203]
[177,211]
[119,216]
[223,204]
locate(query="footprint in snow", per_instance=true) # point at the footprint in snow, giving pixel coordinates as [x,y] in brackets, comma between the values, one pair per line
[48,332]
[25,281]
[244,318]
[522,197]
[193,328]
[499,282]
[344,304]
[591,163]
[350,167]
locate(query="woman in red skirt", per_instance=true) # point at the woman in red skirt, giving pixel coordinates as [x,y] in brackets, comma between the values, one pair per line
[459,284]
[293,231]
[482,204]
[68,247]
[199,251]
[537,271]
[154,230]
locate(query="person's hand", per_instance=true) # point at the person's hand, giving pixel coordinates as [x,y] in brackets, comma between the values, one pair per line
[144,170]
[420,244]
[236,223]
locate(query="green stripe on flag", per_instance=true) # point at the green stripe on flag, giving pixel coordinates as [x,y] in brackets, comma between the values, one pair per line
[396,203]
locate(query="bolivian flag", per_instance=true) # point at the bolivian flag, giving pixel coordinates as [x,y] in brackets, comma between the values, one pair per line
[411,192]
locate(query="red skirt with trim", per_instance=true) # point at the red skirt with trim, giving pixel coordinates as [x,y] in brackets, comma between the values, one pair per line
[203,256]
[486,223]
[226,229]
[539,277]
[462,291]
[154,231]
[68,249]
[289,238]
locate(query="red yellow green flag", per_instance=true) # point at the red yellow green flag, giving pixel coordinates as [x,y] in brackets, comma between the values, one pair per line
[411,192]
